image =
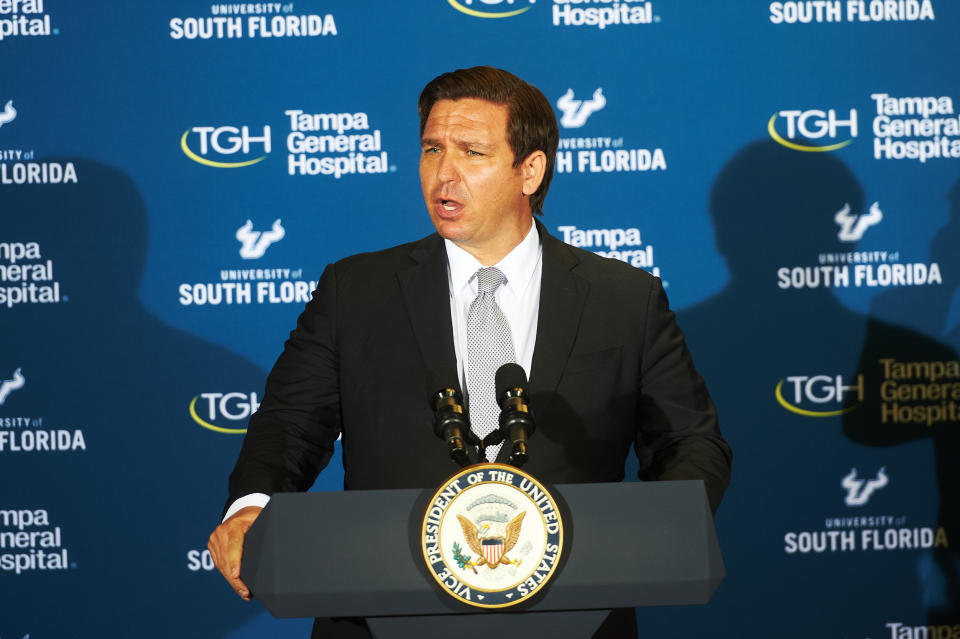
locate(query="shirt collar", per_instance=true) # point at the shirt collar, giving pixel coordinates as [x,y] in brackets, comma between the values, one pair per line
[518,265]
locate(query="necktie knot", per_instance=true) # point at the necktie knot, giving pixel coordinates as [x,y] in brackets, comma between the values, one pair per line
[489,279]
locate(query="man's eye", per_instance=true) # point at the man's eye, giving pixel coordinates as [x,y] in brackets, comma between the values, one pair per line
[431,149]
[473,153]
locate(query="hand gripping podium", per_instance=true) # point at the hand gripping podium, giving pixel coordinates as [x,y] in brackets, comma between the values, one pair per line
[357,554]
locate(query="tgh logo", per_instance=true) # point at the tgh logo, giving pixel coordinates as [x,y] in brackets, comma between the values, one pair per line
[224,141]
[812,124]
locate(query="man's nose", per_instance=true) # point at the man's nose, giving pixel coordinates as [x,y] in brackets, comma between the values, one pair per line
[447,169]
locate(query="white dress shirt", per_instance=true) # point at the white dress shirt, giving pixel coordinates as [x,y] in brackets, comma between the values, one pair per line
[518,298]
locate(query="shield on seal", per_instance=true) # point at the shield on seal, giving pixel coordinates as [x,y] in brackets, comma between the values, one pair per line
[492,549]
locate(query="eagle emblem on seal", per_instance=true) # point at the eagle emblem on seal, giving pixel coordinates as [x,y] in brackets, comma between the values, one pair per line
[492,549]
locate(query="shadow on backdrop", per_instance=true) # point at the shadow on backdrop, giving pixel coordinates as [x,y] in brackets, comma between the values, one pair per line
[148,487]
[774,208]
[921,400]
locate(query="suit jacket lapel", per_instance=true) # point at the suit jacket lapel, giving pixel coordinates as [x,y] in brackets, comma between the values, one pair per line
[426,293]
[562,298]
[563,295]
[425,290]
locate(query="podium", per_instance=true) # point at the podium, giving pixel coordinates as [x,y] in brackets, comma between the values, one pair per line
[357,554]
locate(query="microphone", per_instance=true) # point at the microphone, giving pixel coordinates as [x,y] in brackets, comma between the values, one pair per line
[449,421]
[516,419]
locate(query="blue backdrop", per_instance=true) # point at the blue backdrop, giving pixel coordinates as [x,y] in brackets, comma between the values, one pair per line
[174,176]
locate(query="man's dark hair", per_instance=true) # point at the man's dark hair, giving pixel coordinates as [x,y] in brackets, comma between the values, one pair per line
[531,124]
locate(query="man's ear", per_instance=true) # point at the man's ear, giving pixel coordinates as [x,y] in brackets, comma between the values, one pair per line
[532,169]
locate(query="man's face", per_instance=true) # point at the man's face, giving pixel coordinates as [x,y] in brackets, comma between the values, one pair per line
[473,193]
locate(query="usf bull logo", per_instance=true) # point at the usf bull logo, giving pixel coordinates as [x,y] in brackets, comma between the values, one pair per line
[7,386]
[253,244]
[576,112]
[8,114]
[860,490]
[852,227]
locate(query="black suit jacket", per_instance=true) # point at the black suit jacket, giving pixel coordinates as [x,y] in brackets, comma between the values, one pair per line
[610,371]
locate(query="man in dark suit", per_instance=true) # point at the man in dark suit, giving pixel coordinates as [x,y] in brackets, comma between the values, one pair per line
[607,364]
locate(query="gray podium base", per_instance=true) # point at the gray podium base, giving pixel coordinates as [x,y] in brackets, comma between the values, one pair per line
[576,624]
[357,554]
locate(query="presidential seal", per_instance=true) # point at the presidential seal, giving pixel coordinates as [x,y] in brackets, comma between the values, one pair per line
[492,536]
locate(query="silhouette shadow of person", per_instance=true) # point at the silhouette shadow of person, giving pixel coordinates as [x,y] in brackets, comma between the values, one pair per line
[135,497]
[783,359]
[920,400]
